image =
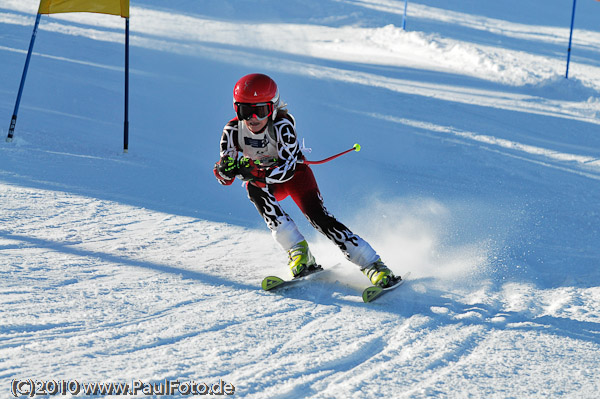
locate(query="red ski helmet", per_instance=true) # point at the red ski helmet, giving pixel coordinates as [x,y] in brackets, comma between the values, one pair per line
[256,88]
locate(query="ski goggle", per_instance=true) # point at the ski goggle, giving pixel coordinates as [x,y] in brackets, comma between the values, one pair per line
[260,111]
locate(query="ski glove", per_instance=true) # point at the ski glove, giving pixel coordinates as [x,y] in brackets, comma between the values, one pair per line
[225,170]
[251,171]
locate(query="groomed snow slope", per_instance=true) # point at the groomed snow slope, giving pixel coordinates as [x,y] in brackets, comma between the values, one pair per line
[479,174]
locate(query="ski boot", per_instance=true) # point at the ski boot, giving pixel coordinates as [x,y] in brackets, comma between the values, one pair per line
[379,274]
[301,261]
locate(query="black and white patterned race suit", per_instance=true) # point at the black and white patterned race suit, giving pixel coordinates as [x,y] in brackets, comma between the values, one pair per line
[277,147]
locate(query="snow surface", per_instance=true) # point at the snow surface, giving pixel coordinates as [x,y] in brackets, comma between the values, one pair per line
[479,174]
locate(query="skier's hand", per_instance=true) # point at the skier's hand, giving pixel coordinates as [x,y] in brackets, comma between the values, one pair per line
[250,171]
[225,170]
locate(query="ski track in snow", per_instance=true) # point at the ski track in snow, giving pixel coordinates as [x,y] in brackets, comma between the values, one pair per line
[582,165]
[95,289]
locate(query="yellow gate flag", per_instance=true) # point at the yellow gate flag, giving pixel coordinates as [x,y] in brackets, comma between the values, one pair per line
[113,7]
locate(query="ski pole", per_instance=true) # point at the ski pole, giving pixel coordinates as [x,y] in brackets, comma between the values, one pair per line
[355,147]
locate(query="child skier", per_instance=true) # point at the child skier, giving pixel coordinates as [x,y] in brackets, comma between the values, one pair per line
[272,165]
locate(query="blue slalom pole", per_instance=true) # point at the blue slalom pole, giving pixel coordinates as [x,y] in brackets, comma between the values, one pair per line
[126,123]
[404,16]
[13,121]
[570,39]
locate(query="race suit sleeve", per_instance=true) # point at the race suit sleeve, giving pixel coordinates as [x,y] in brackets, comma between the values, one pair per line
[288,151]
[229,145]
[227,148]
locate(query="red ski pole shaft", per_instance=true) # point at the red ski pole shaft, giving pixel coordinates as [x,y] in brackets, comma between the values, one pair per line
[355,147]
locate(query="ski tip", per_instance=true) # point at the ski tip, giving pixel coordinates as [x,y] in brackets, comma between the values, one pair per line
[271,282]
[371,293]
[374,291]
